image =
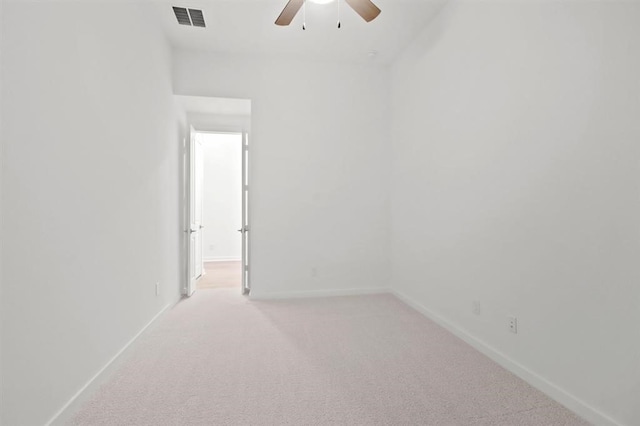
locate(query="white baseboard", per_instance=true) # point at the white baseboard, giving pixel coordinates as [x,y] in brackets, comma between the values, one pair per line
[576,405]
[63,416]
[318,293]
[221,259]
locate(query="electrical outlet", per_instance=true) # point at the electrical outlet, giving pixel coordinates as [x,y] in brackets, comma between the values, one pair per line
[477,308]
[157,289]
[513,325]
[314,272]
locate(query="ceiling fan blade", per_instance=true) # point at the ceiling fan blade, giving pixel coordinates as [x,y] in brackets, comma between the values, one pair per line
[289,12]
[365,8]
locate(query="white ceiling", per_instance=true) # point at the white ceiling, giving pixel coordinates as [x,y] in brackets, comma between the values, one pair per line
[247,27]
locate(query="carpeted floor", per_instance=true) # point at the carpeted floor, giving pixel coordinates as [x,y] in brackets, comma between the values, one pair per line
[220,359]
[221,275]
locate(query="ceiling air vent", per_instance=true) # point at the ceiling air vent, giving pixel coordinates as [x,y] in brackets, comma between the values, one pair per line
[190,17]
[197,18]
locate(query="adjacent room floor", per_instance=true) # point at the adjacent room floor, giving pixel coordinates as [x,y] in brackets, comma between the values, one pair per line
[221,275]
[221,359]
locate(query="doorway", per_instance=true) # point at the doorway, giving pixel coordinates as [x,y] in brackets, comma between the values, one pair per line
[212,116]
[219,211]
[221,208]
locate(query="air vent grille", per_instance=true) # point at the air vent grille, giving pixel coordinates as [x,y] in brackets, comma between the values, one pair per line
[190,17]
[182,15]
[197,18]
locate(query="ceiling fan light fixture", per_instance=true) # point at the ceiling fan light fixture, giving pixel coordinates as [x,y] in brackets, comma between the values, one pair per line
[365,8]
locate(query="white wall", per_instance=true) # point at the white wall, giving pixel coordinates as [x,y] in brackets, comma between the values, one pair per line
[222,197]
[319,164]
[515,183]
[1,210]
[90,166]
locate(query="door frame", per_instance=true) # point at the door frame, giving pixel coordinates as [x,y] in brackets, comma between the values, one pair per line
[246,207]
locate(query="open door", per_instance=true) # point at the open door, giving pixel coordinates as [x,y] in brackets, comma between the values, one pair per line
[198,202]
[194,230]
[245,230]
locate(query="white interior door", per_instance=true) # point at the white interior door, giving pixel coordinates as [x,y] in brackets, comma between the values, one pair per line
[194,231]
[245,230]
[198,202]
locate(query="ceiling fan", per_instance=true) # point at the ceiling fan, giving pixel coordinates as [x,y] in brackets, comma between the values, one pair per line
[365,8]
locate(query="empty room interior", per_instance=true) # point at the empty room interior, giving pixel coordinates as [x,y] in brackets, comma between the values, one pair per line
[439,223]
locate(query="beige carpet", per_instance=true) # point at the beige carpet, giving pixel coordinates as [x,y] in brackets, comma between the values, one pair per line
[221,275]
[221,359]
